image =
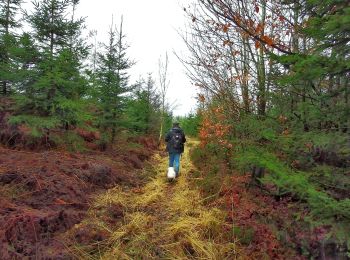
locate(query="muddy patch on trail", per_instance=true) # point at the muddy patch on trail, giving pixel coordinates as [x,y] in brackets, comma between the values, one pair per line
[43,195]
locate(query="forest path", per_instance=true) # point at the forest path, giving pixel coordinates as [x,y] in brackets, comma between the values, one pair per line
[167,220]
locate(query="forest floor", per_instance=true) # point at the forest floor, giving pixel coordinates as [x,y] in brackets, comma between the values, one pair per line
[44,194]
[119,205]
[161,220]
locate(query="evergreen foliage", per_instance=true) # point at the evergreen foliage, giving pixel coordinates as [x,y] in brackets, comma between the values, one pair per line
[53,59]
[45,71]
[8,42]
[112,81]
[143,109]
[190,124]
[318,78]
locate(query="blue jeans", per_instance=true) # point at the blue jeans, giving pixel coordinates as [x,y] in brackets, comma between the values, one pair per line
[174,158]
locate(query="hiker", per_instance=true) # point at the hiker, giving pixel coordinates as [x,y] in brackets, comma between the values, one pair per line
[175,139]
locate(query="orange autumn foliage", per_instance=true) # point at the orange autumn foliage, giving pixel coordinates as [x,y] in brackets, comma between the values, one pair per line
[214,128]
[225,27]
[259,28]
[268,40]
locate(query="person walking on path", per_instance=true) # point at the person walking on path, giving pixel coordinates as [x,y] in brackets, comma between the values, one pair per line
[175,140]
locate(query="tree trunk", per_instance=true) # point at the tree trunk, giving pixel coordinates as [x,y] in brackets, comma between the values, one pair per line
[261,68]
[114,130]
[161,123]
[244,88]
[4,88]
[52,33]
[163,70]
[161,131]
[6,58]
[347,104]
[295,49]
[52,90]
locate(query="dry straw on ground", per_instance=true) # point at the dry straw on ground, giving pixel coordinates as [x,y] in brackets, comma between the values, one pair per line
[162,221]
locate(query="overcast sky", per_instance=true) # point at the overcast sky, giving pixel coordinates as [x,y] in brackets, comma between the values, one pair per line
[151,30]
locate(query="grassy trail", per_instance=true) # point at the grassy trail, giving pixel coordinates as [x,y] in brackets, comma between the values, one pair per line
[166,220]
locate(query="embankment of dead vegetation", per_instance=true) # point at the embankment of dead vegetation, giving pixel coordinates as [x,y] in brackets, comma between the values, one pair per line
[44,194]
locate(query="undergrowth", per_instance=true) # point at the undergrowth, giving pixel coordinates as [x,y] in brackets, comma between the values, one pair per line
[303,174]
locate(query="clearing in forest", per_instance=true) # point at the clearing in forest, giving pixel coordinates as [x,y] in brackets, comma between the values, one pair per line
[161,220]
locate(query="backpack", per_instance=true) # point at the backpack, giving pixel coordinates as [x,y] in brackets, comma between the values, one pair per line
[176,140]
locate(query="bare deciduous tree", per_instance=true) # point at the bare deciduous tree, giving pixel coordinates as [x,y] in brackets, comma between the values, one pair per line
[164,86]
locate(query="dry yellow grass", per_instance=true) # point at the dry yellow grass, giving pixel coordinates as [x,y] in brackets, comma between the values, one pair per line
[164,221]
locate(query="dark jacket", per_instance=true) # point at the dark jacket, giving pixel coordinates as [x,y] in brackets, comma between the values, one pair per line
[168,137]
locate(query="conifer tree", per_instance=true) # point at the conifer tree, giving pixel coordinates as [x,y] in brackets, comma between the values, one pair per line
[58,87]
[24,58]
[112,80]
[320,75]
[8,23]
[153,102]
[143,110]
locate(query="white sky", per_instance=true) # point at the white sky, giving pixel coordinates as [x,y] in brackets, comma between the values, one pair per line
[151,31]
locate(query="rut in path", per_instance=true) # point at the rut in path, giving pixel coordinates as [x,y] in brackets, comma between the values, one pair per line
[166,220]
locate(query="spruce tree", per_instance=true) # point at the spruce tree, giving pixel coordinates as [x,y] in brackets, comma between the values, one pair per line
[8,42]
[143,110]
[153,104]
[56,92]
[319,74]
[112,80]
[24,58]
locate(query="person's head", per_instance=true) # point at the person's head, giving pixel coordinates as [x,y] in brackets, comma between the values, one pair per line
[176,124]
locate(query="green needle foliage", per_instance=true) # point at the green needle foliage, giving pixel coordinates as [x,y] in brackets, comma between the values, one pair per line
[142,114]
[8,43]
[55,85]
[112,82]
[318,78]
[46,72]
[190,124]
